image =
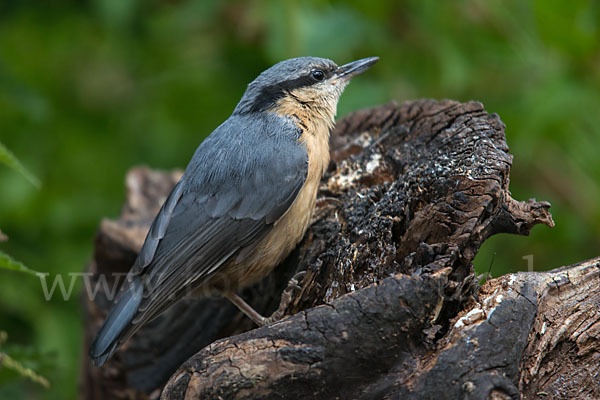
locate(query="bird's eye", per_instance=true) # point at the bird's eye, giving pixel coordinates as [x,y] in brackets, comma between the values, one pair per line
[318,75]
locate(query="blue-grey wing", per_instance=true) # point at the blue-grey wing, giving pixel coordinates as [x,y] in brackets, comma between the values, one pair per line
[239,183]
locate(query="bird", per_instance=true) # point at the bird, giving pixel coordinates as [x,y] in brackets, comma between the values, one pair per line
[244,202]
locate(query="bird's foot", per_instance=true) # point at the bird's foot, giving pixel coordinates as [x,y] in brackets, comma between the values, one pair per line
[286,300]
[286,297]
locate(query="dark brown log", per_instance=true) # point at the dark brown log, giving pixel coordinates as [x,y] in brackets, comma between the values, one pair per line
[411,194]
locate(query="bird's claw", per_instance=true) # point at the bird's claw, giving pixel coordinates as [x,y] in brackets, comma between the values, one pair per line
[322,201]
[294,283]
[286,297]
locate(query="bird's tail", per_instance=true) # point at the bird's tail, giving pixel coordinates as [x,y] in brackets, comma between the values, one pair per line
[119,317]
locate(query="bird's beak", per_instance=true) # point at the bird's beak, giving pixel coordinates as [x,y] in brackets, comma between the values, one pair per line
[355,67]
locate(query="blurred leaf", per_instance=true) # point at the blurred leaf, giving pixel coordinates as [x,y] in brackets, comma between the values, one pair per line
[8,158]
[7,262]
[11,364]
[11,368]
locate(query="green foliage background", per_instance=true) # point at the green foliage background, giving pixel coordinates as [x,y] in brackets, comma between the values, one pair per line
[89,89]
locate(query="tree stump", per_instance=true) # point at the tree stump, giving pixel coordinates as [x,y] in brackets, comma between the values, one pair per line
[389,306]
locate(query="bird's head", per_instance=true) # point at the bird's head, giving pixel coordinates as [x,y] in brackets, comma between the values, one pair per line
[306,85]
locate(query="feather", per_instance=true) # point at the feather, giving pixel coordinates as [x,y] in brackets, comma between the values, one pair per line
[238,184]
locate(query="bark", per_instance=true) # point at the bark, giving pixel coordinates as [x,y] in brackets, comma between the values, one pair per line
[389,306]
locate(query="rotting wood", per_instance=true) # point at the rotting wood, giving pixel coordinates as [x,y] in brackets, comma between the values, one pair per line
[412,192]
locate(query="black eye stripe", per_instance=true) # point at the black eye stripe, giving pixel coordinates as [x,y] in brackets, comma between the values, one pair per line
[270,94]
[302,81]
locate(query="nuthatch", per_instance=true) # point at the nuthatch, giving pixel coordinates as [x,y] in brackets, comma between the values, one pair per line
[244,201]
